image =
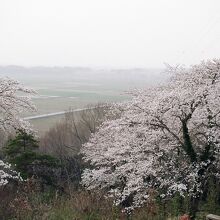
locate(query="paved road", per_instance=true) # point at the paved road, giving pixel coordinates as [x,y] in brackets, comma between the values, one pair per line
[54,113]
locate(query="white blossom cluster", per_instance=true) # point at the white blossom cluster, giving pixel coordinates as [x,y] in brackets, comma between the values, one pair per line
[166,138]
[7,174]
[13,103]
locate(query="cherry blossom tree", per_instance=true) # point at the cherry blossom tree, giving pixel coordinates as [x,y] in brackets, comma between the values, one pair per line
[7,174]
[166,138]
[13,103]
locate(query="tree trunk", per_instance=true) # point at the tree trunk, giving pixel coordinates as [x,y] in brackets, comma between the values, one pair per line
[187,143]
[193,207]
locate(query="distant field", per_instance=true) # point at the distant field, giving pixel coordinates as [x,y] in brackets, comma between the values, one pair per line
[59,100]
[62,88]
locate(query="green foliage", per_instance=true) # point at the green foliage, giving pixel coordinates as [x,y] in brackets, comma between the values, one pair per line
[28,159]
[22,153]
[23,142]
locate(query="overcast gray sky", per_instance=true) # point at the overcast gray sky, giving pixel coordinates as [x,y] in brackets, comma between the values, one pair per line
[111,33]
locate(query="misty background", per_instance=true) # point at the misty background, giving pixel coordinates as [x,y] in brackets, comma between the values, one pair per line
[103,33]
